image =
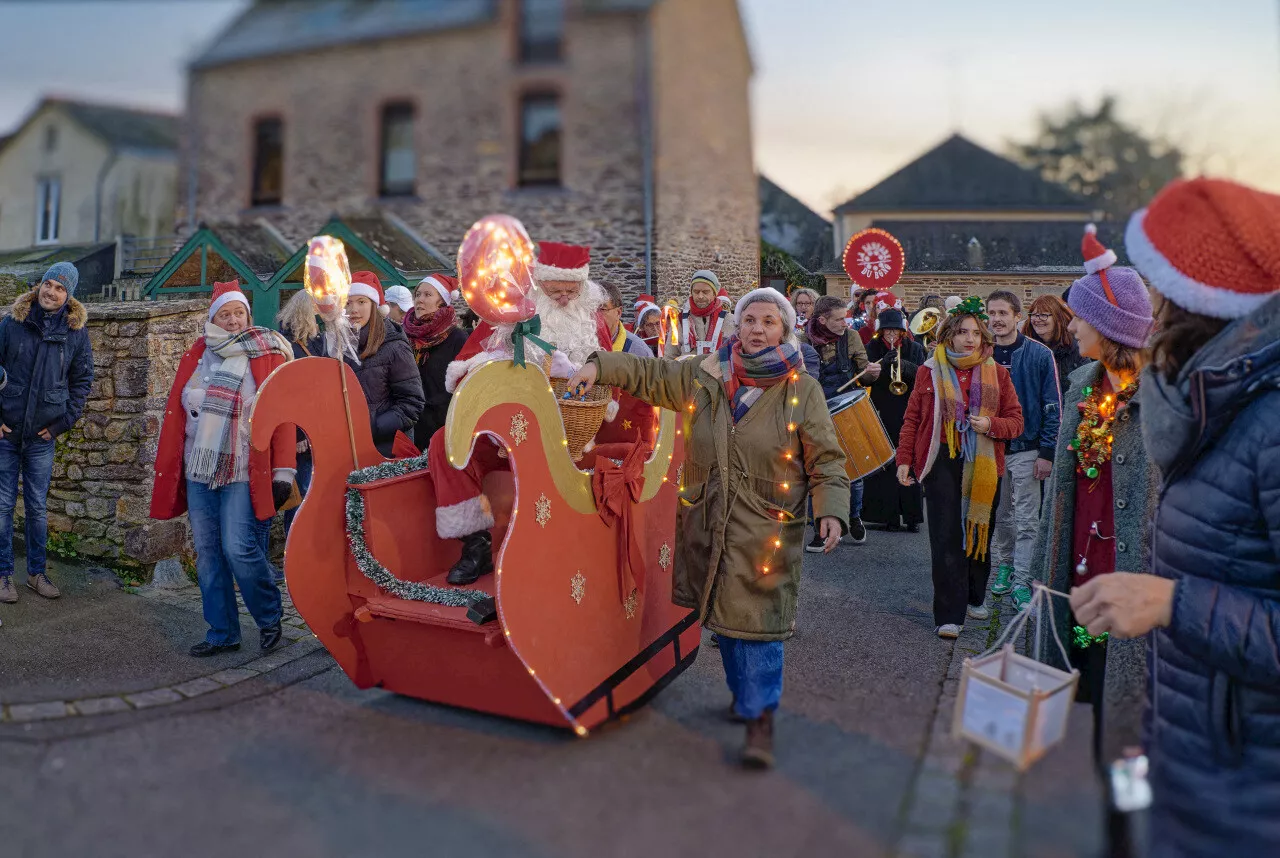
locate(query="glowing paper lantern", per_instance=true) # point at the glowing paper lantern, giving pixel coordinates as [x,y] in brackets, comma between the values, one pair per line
[495,270]
[327,274]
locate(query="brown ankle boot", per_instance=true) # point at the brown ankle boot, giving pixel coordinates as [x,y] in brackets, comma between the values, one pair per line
[757,753]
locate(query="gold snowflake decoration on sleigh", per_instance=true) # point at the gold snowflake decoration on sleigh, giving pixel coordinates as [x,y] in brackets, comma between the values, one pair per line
[542,510]
[578,587]
[630,605]
[664,556]
[519,428]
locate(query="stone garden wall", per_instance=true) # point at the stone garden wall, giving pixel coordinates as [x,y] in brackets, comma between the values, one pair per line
[102,473]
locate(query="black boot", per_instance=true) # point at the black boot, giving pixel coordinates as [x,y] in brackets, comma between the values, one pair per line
[476,559]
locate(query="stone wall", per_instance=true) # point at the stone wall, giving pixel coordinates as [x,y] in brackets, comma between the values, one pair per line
[466,85]
[103,469]
[915,285]
[707,200]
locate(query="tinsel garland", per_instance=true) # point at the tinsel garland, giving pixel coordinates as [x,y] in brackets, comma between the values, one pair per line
[454,597]
[1081,639]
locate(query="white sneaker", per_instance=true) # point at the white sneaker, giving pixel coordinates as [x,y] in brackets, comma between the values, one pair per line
[950,631]
[979,612]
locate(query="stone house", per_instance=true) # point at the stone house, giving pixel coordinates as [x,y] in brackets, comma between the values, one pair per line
[621,124]
[970,221]
[77,174]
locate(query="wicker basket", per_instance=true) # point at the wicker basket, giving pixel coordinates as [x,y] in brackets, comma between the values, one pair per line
[582,417]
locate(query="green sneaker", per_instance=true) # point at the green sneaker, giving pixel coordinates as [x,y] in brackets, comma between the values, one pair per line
[1001,587]
[1021,597]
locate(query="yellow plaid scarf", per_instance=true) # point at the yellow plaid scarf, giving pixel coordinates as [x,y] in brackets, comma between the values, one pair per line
[980,477]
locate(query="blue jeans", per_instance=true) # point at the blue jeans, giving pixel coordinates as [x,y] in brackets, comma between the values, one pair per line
[229,542]
[34,459]
[753,670]
[855,501]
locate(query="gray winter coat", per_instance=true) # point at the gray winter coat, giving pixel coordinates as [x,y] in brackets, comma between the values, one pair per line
[1134,482]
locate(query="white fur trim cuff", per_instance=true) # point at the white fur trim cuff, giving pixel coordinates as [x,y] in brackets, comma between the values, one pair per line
[455,372]
[611,410]
[550,272]
[1187,292]
[462,519]
[224,299]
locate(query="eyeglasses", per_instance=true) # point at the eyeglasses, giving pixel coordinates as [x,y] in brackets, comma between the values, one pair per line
[1041,316]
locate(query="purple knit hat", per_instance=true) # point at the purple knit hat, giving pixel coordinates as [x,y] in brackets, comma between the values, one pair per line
[1114,300]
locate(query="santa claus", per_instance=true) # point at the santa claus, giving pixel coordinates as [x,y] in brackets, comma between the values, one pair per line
[567,304]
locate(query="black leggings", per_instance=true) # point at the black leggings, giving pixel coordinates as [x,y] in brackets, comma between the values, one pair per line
[958,580]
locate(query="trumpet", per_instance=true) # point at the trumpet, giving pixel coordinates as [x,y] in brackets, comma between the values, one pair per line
[897,386]
[925,321]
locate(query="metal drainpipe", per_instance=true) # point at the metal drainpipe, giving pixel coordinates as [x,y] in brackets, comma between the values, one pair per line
[97,195]
[646,142]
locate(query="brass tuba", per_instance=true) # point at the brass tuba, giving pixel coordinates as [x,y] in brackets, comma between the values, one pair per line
[925,321]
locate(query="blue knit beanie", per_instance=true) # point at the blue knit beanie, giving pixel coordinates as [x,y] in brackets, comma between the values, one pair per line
[66,274]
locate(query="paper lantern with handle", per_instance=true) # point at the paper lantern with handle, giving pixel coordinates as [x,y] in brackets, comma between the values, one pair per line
[1014,706]
[495,270]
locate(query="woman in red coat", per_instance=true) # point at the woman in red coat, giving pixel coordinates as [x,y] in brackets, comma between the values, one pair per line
[963,409]
[206,468]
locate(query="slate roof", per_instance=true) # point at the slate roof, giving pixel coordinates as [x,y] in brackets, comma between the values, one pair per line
[790,225]
[399,245]
[272,27]
[125,128]
[961,175]
[258,247]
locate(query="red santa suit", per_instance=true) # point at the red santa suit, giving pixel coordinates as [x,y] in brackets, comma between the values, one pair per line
[462,508]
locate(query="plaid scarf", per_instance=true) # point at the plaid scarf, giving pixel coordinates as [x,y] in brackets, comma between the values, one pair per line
[746,377]
[215,458]
[426,335]
[978,483]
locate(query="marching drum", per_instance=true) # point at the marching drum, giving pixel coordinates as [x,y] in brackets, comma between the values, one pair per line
[866,445]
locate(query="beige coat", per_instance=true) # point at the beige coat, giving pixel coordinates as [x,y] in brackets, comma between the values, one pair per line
[738,485]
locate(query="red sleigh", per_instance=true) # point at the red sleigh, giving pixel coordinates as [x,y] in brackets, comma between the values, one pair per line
[568,647]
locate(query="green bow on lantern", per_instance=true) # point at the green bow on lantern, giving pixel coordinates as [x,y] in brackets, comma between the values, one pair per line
[528,330]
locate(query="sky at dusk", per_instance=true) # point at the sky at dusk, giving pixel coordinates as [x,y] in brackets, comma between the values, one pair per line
[845,92]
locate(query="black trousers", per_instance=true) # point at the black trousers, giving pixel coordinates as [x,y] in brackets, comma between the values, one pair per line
[958,581]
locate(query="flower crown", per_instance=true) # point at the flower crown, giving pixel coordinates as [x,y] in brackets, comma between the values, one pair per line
[970,306]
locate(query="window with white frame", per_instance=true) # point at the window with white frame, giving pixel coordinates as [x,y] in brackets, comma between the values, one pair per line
[48,198]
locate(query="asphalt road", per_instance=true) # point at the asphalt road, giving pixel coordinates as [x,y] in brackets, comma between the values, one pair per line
[297,762]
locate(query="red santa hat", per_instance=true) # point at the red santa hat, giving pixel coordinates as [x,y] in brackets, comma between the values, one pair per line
[224,294]
[1210,246]
[1096,257]
[723,297]
[645,304]
[444,284]
[562,262]
[366,285]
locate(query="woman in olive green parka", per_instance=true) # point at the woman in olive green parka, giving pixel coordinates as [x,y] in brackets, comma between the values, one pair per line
[759,441]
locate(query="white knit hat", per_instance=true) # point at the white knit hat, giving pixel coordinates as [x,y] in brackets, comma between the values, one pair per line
[772,296]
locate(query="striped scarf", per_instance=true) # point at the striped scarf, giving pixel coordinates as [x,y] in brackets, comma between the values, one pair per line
[214,457]
[980,478]
[746,377]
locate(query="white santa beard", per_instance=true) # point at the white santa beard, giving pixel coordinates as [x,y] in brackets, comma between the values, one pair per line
[570,329]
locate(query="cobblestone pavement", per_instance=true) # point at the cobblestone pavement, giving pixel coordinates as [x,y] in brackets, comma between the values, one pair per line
[280,754]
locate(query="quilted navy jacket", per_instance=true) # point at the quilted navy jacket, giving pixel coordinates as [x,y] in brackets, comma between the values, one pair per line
[1215,711]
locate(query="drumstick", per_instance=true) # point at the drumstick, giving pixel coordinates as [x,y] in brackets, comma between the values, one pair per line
[842,387]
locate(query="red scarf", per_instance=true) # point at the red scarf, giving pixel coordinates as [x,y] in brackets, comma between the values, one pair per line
[819,334]
[704,312]
[431,333]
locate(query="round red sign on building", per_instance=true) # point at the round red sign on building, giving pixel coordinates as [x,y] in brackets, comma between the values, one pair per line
[874,259]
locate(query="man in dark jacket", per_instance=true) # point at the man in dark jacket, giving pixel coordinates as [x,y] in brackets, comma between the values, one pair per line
[1029,457]
[841,356]
[48,367]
